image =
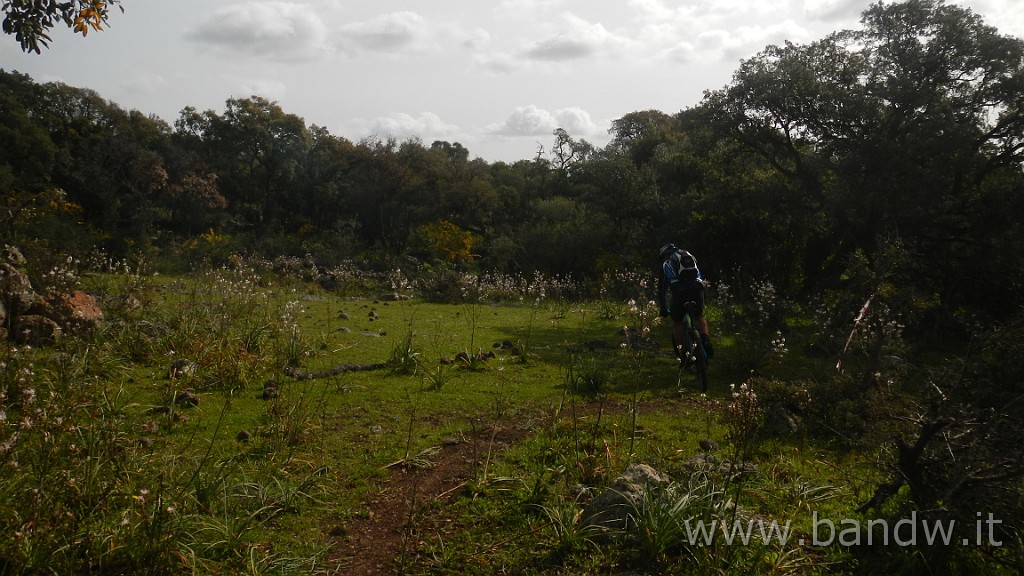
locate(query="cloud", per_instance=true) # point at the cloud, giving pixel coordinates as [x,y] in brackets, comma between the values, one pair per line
[563,47]
[269,89]
[500,63]
[843,12]
[145,83]
[576,121]
[533,121]
[708,32]
[476,39]
[578,39]
[277,29]
[426,125]
[393,32]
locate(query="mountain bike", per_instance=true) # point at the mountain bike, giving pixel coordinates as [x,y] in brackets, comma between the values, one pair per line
[690,351]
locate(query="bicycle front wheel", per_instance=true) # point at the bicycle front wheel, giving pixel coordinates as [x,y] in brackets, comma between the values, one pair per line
[701,364]
[699,360]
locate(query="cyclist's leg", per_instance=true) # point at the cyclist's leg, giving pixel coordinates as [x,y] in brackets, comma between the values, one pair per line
[677,310]
[696,294]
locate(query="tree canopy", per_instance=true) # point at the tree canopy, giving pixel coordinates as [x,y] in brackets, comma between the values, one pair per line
[30,21]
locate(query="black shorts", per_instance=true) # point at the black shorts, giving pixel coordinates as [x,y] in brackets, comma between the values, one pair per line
[683,292]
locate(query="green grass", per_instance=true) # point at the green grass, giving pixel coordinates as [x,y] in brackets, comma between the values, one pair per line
[254,477]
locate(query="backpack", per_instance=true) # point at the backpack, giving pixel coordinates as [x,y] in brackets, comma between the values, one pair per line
[685,266]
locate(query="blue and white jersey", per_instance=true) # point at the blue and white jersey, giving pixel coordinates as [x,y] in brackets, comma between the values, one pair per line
[681,266]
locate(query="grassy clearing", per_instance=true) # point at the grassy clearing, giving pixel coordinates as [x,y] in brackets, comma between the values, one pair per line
[183,437]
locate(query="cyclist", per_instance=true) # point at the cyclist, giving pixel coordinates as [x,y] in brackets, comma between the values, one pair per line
[680,281]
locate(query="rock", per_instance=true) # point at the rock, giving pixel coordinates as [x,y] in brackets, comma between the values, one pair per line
[182,368]
[612,508]
[33,319]
[35,330]
[77,311]
[270,390]
[705,462]
[187,398]
[13,256]
[16,291]
[779,421]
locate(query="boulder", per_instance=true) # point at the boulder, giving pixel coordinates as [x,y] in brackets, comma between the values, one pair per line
[16,291]
[613,508]
[35,330]
[182,368]
[13,256]
[28,318]
[77,311]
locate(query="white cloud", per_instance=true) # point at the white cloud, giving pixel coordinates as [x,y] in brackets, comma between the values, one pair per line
[719,31]
[276,29]
[562,47]
[425,125]
[577,39]
[476,39]
[844,13]
[393,32]
[269,89]
[145,83]
[526,121]
[533,121]
[576,121]
[499,63]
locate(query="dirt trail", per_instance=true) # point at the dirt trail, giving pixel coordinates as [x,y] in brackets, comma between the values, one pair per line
[373,545]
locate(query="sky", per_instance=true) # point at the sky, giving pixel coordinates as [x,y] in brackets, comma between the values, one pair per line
[498,77]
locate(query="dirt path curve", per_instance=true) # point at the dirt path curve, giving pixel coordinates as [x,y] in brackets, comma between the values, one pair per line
[373,545]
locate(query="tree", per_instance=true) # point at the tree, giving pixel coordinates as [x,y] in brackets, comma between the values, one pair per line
[27,157]
[895,129]
[31,20]
[569,153]
[257,151]
[639,134]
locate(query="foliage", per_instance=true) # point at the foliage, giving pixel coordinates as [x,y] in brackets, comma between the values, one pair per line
[30,22]
[448,243]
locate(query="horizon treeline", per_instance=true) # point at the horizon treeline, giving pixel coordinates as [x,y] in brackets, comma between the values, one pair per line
[887,158]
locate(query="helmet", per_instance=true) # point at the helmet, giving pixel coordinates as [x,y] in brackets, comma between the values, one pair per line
[668,249]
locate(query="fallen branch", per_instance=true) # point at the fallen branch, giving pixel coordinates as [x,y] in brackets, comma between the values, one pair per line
[339,369]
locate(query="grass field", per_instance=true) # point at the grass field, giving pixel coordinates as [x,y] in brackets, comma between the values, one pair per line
[239,422]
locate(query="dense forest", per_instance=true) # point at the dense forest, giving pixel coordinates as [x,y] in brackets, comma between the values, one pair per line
[888,156]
